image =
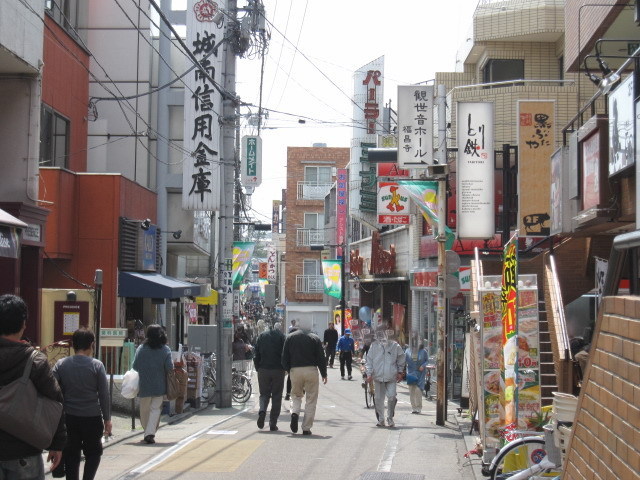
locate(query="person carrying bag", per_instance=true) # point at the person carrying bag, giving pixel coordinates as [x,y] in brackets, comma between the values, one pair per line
[20,455]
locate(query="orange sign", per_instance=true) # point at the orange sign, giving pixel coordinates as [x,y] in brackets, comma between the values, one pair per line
[263,270]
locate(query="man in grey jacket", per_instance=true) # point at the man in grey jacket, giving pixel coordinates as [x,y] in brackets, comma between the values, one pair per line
[384,366]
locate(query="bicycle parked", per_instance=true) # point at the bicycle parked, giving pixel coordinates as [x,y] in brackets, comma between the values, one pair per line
[536,454]
[241,387]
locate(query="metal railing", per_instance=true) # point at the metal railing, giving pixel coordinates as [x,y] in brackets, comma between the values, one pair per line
[309,284]
[313,190]
[309,236]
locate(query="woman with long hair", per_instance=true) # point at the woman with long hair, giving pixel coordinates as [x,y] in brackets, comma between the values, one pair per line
[152,362]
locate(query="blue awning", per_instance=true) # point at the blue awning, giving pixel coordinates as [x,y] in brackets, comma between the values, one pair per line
[155,285]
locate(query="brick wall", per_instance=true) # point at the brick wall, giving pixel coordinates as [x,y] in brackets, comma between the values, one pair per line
[606,438]
[297,159]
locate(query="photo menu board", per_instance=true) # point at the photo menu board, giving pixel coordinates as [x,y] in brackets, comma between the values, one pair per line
[528,376]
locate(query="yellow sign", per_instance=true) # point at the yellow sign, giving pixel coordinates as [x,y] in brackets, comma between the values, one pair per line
[210,300]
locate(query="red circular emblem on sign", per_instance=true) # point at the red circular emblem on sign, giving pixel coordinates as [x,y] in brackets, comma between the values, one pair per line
[205,10]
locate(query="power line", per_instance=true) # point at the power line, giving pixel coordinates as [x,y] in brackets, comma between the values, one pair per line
[351,100]
[304,15]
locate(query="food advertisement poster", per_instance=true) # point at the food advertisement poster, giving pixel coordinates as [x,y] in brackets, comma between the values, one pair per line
[529,395]
[492,416]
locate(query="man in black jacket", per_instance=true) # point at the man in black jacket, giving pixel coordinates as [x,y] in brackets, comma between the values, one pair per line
[302,357]
[17,458]
[330,341]
[268,361]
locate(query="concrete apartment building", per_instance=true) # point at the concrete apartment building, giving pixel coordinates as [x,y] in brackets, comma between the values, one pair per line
[310,175]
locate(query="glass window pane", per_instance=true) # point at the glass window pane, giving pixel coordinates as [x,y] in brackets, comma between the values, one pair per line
[60,143]
[324,175]
[311,174]
[311,267]
[46,137]
[311,220]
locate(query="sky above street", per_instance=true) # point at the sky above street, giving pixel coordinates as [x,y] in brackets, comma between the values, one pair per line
[315,48]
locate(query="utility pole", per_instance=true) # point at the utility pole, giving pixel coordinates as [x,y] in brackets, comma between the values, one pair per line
[227,190]
[441,309]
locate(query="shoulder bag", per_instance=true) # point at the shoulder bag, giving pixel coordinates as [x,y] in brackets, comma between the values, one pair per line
[25,413]
[176,382]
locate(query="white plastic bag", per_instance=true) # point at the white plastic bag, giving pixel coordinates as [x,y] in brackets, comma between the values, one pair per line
[130,384]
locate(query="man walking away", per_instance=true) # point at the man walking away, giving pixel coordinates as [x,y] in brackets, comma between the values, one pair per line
[346,347]
[385,364]
[268,361]
[302,357]
[18,459]
[330,341]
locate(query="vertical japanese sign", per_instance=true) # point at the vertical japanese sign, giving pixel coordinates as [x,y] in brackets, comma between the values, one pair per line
[475,171]
[368,90]
[147,249]
[342,205]
[393,204]
[275,216]
[242,252]
[272,263]
[509,314]
[415,126]
[227,299]
[251,161]
[536,144]
[202,109]
[331,272]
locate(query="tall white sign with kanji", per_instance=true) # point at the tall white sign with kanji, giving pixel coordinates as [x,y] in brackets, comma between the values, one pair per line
[202,109]
[415,126]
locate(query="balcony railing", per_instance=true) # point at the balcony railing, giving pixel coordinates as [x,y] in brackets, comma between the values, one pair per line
[309,284]
[306,237]
[313,190]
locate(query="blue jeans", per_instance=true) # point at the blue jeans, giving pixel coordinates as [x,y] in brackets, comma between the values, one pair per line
[28,468]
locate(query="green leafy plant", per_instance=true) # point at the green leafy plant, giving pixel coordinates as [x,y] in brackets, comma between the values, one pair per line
[538,420]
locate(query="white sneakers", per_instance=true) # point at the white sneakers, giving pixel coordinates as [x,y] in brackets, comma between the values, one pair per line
[380,423]
[390,422]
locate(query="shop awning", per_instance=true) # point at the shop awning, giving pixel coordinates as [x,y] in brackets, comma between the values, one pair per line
[11,221]
[9,237]
[154,285]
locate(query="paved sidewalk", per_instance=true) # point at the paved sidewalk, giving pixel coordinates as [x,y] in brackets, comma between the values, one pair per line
[416,448]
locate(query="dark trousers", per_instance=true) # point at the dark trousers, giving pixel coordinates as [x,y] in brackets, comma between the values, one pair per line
[345,359]
[271,383]
[330,352]
[83,434]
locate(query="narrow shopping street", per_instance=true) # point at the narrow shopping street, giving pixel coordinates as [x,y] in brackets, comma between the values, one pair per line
[345,443]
